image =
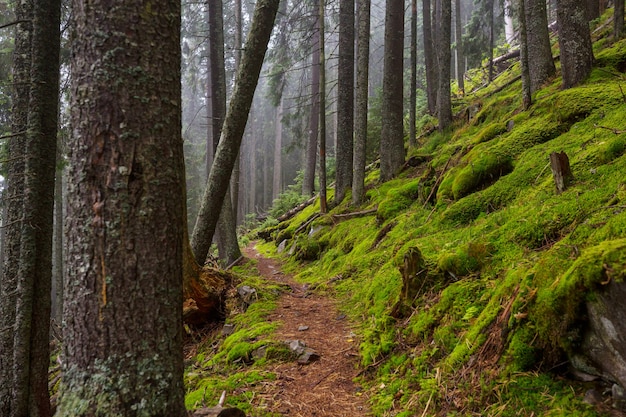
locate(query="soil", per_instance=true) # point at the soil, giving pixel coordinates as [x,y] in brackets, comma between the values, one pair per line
[324,387]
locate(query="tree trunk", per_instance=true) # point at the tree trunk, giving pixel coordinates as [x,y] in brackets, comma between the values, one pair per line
[574,41]
[618,19]
[278,150]
[236,177]
[492,40]
[362,78]
[322,116]
[561,172]
[310,159]
[413,70]
[392,134]
[13,199]
[460,57]
[234,125]
[526,80]
[57,306]
[593,9]
[538,44]
[345,101]
[444,104]
[125,220]
[429,58]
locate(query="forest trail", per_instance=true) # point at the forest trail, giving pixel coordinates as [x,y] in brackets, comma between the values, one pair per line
[323,387]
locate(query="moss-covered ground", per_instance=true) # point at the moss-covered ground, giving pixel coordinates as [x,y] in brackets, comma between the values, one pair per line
[509,261]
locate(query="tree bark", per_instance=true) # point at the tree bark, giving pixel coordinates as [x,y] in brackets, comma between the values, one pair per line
[234,125]
[429,58]
[561,172]
[360,123]
[574,42]
[618,19]
[322,115]
[460,57]
[57,306]
[125,220]
[278,151]
[413,71]
[345,101]
[525,70]
[444,103]
[13,200]
[310,158]
[236,177]
[392,132]
[538,44]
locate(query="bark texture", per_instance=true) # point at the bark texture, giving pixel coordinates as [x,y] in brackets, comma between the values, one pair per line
[538,43]
[525,68]
[360,122]
[234,125]
[444,28]
[310,158]
[322,116]
[345,100]
[429,58]
[13,198]
[618,19]
[460,55]
[574,42]
[392,132]
[413,72]
[125,220]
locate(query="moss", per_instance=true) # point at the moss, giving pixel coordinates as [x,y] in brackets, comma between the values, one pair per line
[480,172]
[489,132]
[612,149]
[465,260]
[398,199]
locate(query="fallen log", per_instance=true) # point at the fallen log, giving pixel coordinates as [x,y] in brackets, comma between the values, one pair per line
[297,209]
[346,216]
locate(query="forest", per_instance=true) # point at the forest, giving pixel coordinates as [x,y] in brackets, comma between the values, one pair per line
[312,208]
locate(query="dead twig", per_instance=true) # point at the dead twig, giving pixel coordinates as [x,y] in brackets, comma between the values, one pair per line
[346,216]
[611,129]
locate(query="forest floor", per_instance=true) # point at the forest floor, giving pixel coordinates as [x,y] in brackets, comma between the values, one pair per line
[324,387]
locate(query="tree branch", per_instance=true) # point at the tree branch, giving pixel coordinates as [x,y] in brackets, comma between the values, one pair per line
[17,22]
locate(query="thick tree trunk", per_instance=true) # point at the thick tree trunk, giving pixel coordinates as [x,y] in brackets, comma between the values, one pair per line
[362,78]
[236,177]
[125,220]
[310,158]
[618,19]
[574,41]
[413,71]
[278,151]
[429,58]
[234,125]
[444,104]
[593,9]
[322,115]
[392,132]
[345,101]
[13,198]
[458,37]
[526,80]
[57,276]
[492,40]
[538,44]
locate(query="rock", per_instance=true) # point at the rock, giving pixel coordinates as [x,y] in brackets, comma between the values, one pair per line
[509,125]
[282,246]
[248,294]
[293,248]
[308,356]
[259,353]
[593,397]
[296,346]
[228,329]
[303,328]
[314,230]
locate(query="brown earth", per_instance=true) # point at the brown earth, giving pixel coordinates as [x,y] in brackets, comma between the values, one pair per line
[324,387]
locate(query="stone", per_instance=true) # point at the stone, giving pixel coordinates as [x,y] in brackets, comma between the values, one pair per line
[303,328]
[593,397]
[260,352]
[247,294]
[228,329]
[296,346]
[282,246]
[308,356]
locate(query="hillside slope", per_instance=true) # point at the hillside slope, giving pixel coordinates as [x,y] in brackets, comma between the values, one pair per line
[494,319]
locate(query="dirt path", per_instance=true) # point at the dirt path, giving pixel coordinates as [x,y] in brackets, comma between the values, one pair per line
[323,387]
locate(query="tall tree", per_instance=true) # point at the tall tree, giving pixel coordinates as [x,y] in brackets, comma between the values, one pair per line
[413,71]
[444,27]
[430,58]
[574,42]
[13,200]
[122,312]
[618,19]
[526,84]
[360,122]
[322,100]
[228,246]
[458,37]
[392,135]
[236,177]
[345,101]
[310,158]
[278,145]
[538,43]
[593,9]
[234,125]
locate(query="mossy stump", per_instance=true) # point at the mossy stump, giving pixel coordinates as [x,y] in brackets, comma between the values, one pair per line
[413,270]
[559,163]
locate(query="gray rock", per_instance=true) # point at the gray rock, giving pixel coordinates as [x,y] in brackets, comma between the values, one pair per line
[247,294]
[296,346]
[593,397]
[228,329]
[259,353]
[509,125]
[308,356]
[303,328]
[282,246]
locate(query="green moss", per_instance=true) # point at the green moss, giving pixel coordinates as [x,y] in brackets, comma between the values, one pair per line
[480,172]
[398,199]
[612,149]
[489,132]
[465,260]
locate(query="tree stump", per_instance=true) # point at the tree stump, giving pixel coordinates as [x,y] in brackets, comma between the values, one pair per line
[561,172]
[413,272]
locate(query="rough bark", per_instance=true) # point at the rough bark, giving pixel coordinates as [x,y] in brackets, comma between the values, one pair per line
[234,125]
[125,220]
[236,177]
[278,145]
[413,72]
[392,135]
[444,103]
[525,70]
[13,200]
[345,101]
[561,171]
[310,158]
[593,9]
[429,58]
[322,116]
[57,275]
[618,19]
[538,44]
[31,352]
[360,122]
[458,37]
[574,41]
